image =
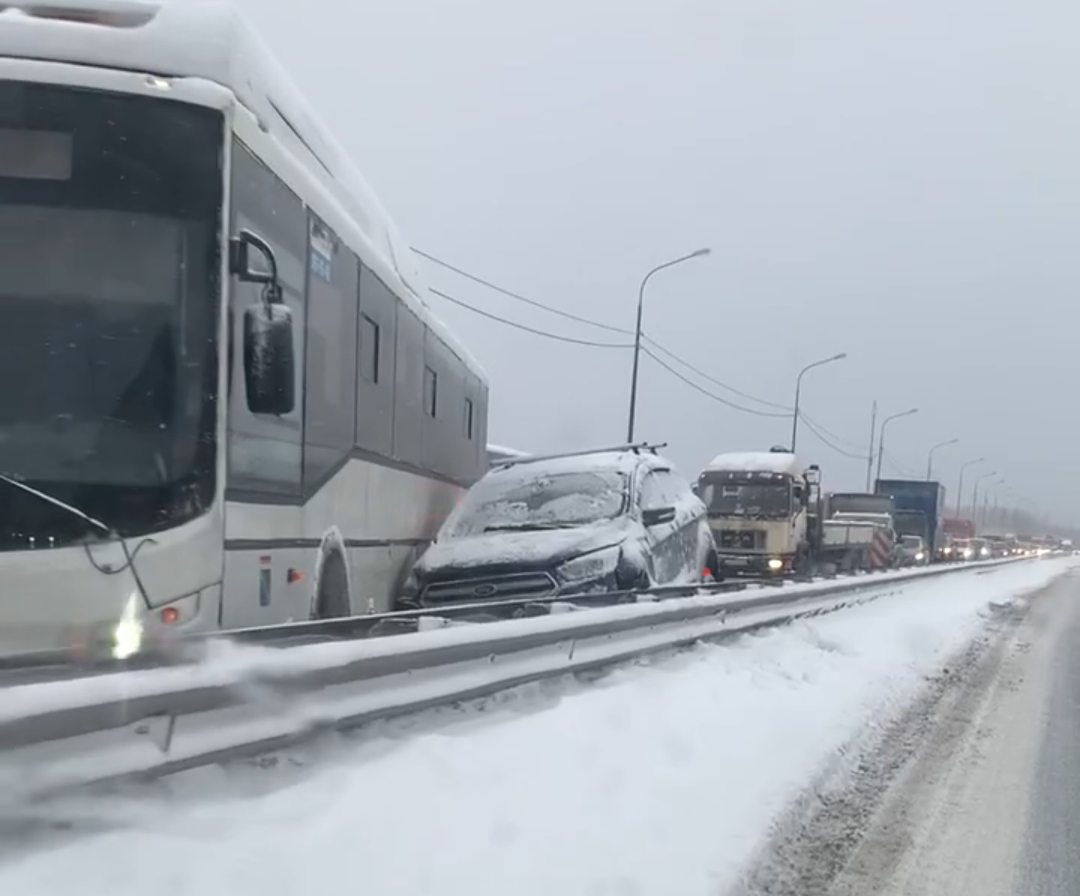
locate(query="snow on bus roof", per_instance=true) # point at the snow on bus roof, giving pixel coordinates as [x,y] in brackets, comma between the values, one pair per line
[765,461]
[210,40]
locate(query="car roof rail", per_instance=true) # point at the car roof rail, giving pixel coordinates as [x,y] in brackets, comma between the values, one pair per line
[636,447]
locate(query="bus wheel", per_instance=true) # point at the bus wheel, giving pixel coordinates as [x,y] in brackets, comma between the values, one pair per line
[333,602]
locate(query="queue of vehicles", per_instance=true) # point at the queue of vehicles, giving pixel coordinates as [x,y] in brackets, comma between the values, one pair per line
[622,519]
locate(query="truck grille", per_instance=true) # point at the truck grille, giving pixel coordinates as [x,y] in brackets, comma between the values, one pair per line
[508,587]
[735,540]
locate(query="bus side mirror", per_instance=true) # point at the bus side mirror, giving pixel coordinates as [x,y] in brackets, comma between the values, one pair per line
[269,355]
[269,359]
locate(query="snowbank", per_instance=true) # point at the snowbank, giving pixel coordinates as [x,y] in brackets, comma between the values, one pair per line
[659,780]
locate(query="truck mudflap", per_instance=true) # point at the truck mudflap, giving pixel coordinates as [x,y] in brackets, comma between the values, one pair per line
[881,549]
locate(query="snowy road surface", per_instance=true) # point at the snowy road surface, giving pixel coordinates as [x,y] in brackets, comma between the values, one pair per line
[664,778]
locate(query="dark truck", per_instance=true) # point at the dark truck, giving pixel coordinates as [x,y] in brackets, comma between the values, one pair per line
[919,505]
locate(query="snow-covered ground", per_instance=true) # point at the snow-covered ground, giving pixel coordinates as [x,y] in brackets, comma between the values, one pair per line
[663,778]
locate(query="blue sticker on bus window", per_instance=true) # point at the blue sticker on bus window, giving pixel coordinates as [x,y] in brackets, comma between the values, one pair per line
[322,251]
[320,266]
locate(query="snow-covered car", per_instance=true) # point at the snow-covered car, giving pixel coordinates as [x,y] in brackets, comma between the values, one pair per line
[912,551]
[536,527]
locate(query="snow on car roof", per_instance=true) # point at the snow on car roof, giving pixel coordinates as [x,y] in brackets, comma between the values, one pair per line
[501,451]
[750,461]
[209,40]
[625,462]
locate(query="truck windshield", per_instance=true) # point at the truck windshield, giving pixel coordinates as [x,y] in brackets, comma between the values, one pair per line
[756,500]
[109,220]
[907,522]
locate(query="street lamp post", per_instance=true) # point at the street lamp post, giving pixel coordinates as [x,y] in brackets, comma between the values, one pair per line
[870,455]
[975,493]
[984,515]
[637,333]
[881,435]
[930,457]
[959,488]
[798,388]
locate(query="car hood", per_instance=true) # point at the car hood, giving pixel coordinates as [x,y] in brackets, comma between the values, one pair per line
[544,548]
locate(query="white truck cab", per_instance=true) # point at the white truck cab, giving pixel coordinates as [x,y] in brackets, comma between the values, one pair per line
[759,508]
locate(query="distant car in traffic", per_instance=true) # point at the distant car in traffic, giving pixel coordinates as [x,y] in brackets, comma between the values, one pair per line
[912,551]
[617,519]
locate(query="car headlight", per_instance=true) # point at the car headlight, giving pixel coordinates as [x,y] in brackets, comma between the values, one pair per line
[775,563]
[589,567]
[919,555]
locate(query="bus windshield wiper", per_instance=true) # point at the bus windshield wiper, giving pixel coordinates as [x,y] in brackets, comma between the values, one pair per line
[108,532]
[56,502]
[527,527]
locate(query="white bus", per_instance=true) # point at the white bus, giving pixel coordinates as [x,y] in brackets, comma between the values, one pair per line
[247,447]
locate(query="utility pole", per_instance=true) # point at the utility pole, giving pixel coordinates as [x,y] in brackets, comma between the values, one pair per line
[870,456]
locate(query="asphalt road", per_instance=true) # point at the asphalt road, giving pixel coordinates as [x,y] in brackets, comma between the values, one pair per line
[994,809]
[976,790]
[1050,862]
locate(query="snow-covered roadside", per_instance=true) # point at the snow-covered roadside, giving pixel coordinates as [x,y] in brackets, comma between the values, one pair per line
[660,780]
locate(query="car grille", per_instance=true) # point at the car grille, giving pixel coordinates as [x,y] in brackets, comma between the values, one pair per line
[508,587]
[733,539]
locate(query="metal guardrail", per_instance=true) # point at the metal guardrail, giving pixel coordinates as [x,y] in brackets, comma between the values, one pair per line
[248,698]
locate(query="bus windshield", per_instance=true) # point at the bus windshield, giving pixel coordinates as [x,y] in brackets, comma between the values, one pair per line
[109,222]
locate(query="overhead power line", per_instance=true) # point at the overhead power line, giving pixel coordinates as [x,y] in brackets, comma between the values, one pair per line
[533,330]
[828,442]
[513,295]
[714,380]
[826,436]
[483,281]
[646,350]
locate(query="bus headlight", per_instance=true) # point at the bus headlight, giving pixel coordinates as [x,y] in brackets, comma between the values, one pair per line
[128,634]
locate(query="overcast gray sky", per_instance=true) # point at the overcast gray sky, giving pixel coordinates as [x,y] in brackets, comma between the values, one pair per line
[894,180]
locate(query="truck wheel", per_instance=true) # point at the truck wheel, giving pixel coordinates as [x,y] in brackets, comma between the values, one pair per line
[802,563]
[333,600]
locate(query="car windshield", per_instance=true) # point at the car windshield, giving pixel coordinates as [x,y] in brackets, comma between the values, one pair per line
[503,501]
[109,213]
[911,541]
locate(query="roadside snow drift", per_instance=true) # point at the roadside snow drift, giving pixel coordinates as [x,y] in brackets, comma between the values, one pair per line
[662,779]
